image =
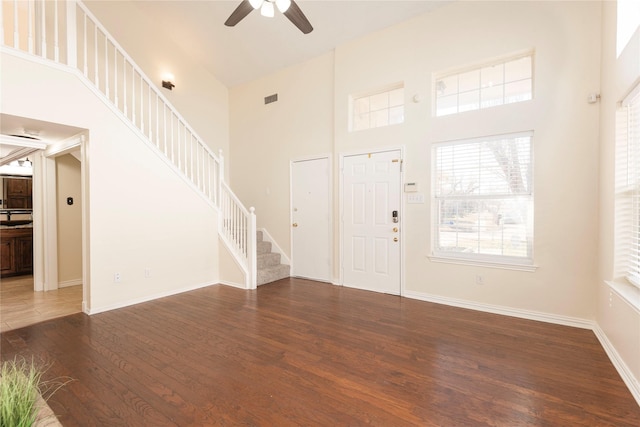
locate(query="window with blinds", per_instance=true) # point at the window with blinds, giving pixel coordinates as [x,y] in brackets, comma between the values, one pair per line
[483,199]
[627,219]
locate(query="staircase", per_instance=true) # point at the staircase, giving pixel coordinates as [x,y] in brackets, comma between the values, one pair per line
[66,33]
[269,264]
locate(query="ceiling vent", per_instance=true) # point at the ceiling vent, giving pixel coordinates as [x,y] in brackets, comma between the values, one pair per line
[271,98]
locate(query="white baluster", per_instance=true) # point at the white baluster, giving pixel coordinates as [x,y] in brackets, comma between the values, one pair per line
[72,34]
[149,113]
[115,77]
[106,66]
[157,120]
[125,100]
[56,46]
[95,56]
[43,30]
[141,104]
[86,42]
[133,94]
[16,32]
[30,20]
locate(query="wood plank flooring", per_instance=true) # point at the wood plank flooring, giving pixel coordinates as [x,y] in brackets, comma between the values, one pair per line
[302,353]
[20,306]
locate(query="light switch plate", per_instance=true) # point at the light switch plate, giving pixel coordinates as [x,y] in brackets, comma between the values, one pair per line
[415,198]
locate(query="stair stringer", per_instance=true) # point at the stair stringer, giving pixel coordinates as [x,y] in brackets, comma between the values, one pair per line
[275,247]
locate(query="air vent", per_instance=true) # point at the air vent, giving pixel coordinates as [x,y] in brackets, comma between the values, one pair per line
[271,98]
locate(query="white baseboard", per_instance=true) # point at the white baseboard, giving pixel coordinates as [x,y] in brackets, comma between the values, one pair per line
[631,382]
[147,298]
[627,376]
[67,283]
[506,311]
[233,284]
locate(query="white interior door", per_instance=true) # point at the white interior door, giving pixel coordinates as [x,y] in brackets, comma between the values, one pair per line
[311,231]
[371,238]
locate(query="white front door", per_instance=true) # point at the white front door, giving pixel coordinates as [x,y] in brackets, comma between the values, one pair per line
[311,231]
[371,237]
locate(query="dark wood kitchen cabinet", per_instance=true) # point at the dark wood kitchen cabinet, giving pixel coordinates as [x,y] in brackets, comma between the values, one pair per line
[16,251]
[18,193]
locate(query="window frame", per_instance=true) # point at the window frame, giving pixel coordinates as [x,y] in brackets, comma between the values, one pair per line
[355,98]
[627,189]
[525,263]
[479,67]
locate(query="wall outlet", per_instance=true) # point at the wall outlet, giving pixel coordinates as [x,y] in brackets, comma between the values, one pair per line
[147,273]
[117,278]
[479,279]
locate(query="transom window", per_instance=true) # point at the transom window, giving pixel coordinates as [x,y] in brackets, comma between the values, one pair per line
[377,109]
[627,220]
[483,199]
[489,85]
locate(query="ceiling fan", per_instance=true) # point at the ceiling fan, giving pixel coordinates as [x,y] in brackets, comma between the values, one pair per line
[289,8]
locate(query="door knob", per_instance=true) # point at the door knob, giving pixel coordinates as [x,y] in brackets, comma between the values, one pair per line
[395,239]
[295,224]
[395,229]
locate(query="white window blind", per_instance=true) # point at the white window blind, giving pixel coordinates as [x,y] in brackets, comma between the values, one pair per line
[627,220]
[483,199]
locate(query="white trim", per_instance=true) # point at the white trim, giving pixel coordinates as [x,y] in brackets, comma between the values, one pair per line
[50,224]
[484,138]
[234,285]
[66,146]
[147,298]
[631,382]
[22,142]
[503,310]
[330,209]
[480,263]
[275,247]
[341,156]
[38,184]
[67,283]
[627,292]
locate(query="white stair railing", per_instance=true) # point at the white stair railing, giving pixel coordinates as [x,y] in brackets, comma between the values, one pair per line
[40,28]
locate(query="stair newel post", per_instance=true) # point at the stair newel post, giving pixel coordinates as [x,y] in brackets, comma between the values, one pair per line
[252,257]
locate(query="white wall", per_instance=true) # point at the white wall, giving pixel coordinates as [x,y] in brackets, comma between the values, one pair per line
[199,97]
[141,213]
[566,39]
[69,217]
[619,320]
[266,137]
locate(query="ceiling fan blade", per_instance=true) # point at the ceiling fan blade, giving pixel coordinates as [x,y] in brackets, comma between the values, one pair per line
[296,16]
[238,15]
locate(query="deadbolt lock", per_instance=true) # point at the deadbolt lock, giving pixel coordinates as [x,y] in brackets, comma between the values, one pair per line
[295,224]
[395,229]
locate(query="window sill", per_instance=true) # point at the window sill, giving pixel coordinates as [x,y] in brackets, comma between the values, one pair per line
[627,292]
[488,264]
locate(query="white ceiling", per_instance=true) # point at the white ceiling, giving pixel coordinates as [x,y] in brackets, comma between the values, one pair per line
[255,47]
[258,46]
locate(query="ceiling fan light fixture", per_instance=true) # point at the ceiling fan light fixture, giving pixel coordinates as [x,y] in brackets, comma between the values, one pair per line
[256,3]
[267,9]
[283,5]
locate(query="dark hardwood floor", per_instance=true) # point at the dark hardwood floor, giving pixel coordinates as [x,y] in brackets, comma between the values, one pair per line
[302,353]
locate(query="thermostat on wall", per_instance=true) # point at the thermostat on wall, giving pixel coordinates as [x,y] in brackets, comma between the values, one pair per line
[410,187]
